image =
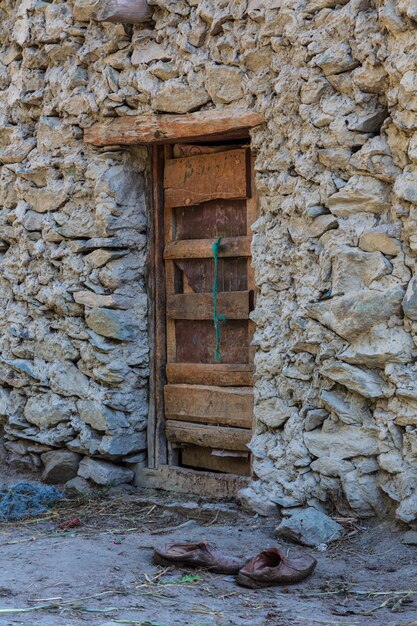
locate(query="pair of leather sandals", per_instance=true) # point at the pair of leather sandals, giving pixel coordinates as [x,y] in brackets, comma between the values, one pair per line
[269,567]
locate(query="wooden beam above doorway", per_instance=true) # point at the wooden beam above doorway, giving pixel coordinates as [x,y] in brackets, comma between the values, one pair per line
[223,124]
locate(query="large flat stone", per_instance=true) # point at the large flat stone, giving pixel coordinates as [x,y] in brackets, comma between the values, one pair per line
[67,380]
[363,381]
[175,96]
[101,417]
[104,473]
[48,410]
[351,315]
[360,194]
[224,84]
[95,300]
[60,466]
[345,442]
[349,408]
[122,444]
[379,242]
[309,527]
[379,346]
[110,323]
[301,231]
[331,467]
[353,269]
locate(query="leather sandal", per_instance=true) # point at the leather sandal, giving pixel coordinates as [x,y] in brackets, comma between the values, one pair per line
[271,567]
[197,555]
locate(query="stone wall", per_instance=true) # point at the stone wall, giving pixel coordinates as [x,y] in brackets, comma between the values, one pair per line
[334,247]
[73,314]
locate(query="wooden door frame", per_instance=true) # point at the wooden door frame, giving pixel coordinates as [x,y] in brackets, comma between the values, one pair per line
[162,472]
[156,131]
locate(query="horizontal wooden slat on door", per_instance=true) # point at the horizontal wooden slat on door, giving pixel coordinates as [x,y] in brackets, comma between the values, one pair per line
[194,456]
[230,406]
[202,248]
[234,305]
[219,437]
[196,179]
[219,374]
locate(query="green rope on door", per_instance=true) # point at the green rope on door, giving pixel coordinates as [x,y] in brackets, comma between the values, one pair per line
[217,319]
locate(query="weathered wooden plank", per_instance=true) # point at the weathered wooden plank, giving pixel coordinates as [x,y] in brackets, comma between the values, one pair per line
[207,459]
[196,341]
[202,248]
[235,305]
[210,220]
[156,273]
[219,437]
[201,178]
[190,482]
[198,274]
[188,149]
[219,374]
[228,406]
[147,129]
[124,11]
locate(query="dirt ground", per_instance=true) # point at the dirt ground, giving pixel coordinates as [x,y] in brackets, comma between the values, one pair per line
[100,573]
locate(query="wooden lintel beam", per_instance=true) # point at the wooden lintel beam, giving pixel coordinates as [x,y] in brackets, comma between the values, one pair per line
[154,129]
[234,305]
[203,248]
[124,11]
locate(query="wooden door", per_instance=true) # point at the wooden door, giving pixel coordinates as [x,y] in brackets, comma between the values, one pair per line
[208,197]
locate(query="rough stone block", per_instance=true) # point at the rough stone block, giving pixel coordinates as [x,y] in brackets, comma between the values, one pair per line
[224,84]
[67,380]
[78,487]
[101,417]
[356,313]
[309,527]
[363,381]
[379,346]
[360,194]
[345,442]
[379,242]
[84,10]
[175,96]
[48,410]
[104,473]
[60,466]
[254,503]
[410,299]
[110,323]
[123,444]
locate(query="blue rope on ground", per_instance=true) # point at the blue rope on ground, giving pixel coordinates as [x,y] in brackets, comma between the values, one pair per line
[26,500]
[217,319]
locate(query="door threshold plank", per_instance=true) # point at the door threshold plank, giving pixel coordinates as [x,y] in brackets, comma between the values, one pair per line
[219,437]
[202,248]
[219,374]
[234,305]
[202,458]
[192,482]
